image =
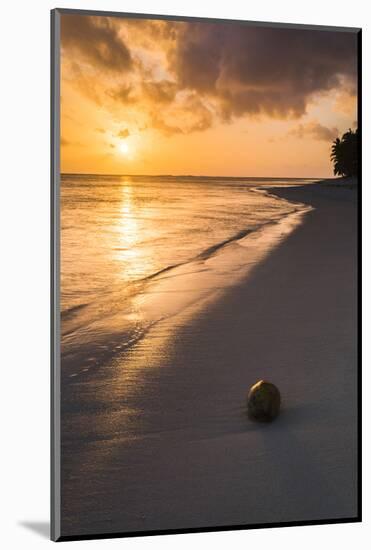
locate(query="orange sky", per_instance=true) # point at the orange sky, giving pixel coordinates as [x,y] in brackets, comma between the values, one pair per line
[161,97]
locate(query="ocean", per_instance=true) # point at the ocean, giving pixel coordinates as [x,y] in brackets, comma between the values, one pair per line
[138,249]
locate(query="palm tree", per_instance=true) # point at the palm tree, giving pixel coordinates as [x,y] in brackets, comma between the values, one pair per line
[344,154]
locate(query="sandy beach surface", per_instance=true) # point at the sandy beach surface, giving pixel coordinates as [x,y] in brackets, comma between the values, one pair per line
[163,441]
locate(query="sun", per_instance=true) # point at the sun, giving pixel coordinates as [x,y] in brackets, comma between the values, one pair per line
[123,148]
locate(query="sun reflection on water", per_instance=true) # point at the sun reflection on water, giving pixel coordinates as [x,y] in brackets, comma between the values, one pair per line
[135,259]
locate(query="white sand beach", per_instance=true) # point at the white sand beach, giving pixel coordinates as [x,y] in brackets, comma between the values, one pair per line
[162,440]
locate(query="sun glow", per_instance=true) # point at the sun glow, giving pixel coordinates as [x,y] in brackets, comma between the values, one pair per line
[123,148]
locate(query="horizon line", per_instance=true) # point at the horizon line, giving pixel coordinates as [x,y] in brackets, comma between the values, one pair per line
[192,176]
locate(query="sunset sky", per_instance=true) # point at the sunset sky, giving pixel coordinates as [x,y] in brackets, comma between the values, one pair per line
[171,97]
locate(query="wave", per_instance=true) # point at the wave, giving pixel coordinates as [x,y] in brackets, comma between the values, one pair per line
[206,254]
[68,313]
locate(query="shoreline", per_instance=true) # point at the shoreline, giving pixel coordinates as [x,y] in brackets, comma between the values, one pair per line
[190,285]
[171,447]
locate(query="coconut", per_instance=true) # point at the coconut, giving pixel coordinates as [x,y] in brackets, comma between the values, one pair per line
[263,402]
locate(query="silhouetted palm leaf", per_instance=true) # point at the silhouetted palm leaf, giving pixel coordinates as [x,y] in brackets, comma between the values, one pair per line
[344,154]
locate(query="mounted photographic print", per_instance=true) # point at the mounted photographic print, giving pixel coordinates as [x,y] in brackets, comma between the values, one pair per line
[205,296]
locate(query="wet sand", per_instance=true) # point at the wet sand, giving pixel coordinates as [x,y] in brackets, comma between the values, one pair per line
[162,441]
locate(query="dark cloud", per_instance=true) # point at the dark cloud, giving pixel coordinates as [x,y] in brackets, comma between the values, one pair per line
[315,130]
[97,40]
[196,59]
[262,70]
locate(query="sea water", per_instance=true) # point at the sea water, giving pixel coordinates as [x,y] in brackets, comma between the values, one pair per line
[122,234]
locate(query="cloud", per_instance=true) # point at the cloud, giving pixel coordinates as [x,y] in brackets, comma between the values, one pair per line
[88,87]
[189,114]
[123,133]
[123,93]
[154,92]
[181,77]
[259,70]
[196,59]
[344,102]
[97,40]
[314,130]
[66,142]
[162,91]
